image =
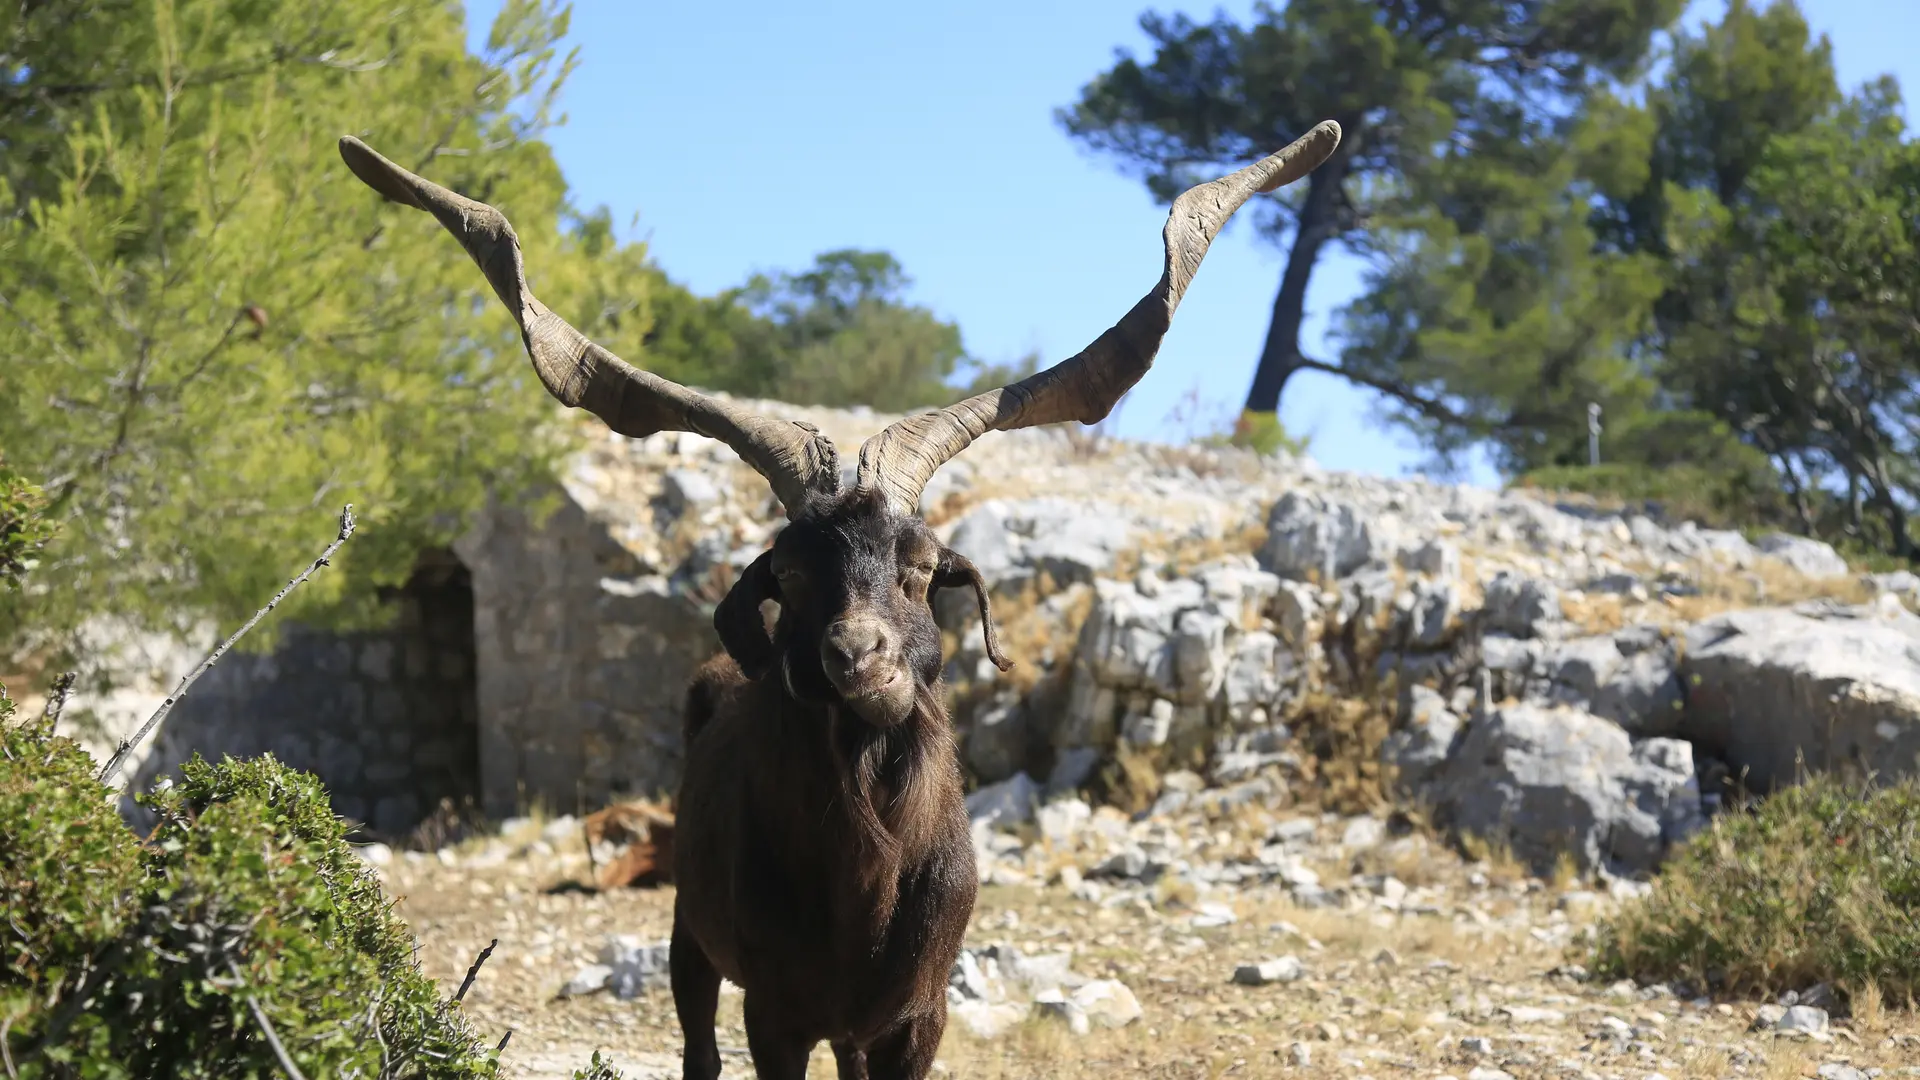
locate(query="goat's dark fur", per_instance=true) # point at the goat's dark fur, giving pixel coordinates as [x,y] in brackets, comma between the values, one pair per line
[822,855]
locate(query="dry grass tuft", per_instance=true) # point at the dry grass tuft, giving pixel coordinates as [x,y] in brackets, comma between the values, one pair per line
[1182,554]
[953,506]
[1494,859]
[1721,588]
[1602,614]
[1868,1006]
[1128,781]
[1768,582]
[1342,737]
[1031,630]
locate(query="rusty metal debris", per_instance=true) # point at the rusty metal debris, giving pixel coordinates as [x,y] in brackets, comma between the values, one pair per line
[630,844]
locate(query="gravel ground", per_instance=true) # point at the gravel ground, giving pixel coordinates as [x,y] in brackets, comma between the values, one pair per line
[1463,973]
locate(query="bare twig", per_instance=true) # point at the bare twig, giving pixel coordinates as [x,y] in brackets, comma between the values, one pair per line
[502,1048]
[474,971]
[6,1055]
[57,700]
[126,745]
[273,1040]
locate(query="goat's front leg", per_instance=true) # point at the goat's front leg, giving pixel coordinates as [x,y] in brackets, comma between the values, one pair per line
[778,1054]
[850,1060]
[906,1052]
[696,995]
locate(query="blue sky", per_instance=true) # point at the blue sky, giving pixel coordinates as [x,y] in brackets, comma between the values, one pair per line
[755,140]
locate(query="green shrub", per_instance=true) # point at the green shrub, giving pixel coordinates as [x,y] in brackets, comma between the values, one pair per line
[1691,466]
[1262,433]
[1717,499]
[1818,883]
[160,958]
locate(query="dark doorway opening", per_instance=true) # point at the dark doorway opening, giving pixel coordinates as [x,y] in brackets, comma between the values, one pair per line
[426,714]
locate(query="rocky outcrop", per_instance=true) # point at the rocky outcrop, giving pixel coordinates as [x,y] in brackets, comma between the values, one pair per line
[1547,780]
[1819,686]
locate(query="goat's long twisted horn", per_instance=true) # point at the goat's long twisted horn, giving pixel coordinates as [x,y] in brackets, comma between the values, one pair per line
[795,458]
[900,460]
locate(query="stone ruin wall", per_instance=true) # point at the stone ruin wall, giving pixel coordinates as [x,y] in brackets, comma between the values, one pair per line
[583,661]
[533,665]
[387,718]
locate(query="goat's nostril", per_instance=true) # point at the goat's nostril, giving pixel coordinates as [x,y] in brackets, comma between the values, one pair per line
[853,640]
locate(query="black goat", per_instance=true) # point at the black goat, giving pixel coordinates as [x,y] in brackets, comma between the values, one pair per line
[821,855]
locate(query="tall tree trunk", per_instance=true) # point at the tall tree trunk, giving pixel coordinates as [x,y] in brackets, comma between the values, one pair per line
[1880,490]
[1798,490]
[1280,356]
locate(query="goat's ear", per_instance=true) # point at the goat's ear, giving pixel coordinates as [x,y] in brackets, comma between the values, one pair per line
[955,571]
[737,619]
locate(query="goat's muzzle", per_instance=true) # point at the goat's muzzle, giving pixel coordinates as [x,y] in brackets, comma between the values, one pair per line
[862,659]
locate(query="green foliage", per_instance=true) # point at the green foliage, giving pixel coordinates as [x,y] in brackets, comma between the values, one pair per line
[597,1070]
[1409,82]
[1688,466]
[1493,314]
[1819,883]
[1262,433]
[1800,301]
[24,529]
[841,333]
[54,817]
[1727,269]
[1731,89]
[1787,224]
[209,324]
[151,959]
[1674,492]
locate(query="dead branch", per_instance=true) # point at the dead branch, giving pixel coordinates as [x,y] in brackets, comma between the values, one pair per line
[474,971]
[266,1028]
[126,745]
[57,700]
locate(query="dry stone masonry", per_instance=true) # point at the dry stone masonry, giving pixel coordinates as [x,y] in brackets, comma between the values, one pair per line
[387,718]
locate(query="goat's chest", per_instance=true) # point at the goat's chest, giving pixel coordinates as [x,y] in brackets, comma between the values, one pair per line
[821,921]
[838,890]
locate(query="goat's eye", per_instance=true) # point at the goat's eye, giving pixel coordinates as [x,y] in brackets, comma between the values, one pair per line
[914,581]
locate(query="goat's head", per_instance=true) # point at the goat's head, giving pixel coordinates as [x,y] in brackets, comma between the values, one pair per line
[854,581]
[853,571]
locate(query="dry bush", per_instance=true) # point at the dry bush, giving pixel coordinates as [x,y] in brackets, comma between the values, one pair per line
[1342,738]
[1720,588]
[449,824]
[1028,629]
[1424,862]
[951,507]
[1128,781]
[1602,614]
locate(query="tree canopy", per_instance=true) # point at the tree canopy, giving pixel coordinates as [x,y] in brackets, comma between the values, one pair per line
[1410,81]
[1715,248]
[213,333]
[839,333]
